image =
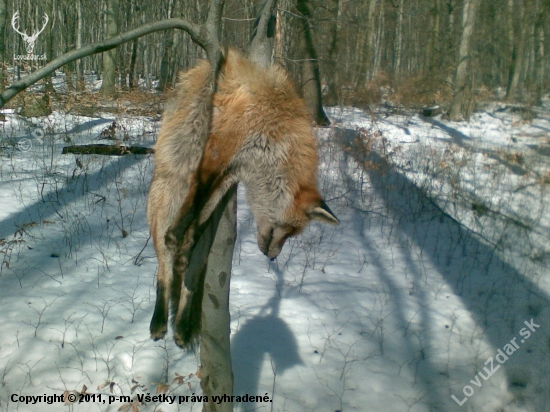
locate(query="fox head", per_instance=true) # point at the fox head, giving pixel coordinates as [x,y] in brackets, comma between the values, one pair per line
[272,236]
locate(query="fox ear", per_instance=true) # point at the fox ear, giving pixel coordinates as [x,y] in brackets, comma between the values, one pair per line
[322,213]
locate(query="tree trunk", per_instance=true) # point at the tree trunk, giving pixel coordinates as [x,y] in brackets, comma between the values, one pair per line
[449,42]
[169,38]
[3,15]
[311,79]
[132,69]
[48,34]
[332,79]
[433,52]
[399,39]
[539,45]
[110,57]
[261,47]
[518,51]
[459,82]
[365,68]
[215,353]
[146,68]
[379,39]
[79,69]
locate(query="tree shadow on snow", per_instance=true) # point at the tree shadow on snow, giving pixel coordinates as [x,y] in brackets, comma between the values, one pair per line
[499,298]
[265,341]
[47,208]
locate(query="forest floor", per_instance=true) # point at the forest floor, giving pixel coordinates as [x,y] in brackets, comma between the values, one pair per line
[431,295]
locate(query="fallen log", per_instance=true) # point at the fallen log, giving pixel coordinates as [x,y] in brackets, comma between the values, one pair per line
[107,150]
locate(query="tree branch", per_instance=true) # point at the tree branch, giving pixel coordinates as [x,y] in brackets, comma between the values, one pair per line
[211,32]
[262,46]
[198,34]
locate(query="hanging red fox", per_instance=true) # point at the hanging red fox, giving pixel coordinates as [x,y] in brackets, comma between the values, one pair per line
[260,134]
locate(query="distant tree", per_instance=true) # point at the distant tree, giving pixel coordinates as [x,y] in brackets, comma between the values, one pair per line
[110,57]
[518,14]
[459,82]
[3,19]
[79,64]
[366,52]
[311,78]
[540,35]
[333,81]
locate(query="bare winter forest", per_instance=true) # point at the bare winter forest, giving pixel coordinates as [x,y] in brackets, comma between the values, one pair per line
[365,52]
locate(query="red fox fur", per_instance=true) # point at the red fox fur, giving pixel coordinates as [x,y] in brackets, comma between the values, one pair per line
[260,134]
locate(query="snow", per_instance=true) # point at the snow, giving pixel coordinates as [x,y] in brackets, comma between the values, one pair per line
[441,256]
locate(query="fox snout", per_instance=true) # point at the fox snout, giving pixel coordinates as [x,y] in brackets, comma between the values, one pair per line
[272,239]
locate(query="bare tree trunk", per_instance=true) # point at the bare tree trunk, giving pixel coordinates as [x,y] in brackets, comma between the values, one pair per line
[333,81]
[169,40]
[365,66]
[511,41]
[379,39]
[459,82]
[109,58]
[215,353]
[280,35]
[3,17]
[518,51]
[432,55]
[539,45]
[146,68]
[448,41]
[132,69]
[79,69]
[399,39]
[261,47]
[48,32]
[284,37]
[311,79]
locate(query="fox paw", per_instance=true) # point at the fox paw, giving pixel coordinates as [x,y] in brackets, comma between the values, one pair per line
[158,330]
[171,240]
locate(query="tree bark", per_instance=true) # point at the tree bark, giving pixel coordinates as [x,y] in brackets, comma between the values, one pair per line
[169,40]
[79,69]
[132,68]
[459,82]
[3,18]
[380,38]
[333,82]
[146,68]
[261,47]
[433,52]
[399,39]
[48,35]
[365,68]
[518,57]
[311,79]
[539,45]
[110,57]
[215,353]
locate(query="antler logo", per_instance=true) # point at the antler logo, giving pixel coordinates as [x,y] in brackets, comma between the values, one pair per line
[30,40]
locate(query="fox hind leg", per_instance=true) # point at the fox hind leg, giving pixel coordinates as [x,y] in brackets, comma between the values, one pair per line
[187,319]
[164,200]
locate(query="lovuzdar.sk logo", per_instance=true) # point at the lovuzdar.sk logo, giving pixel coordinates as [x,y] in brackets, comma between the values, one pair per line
[29,40]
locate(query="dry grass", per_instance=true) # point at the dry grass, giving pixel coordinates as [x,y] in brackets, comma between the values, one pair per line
[407,91]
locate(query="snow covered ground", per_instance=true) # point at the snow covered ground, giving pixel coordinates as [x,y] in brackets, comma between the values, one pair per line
[431,295]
